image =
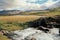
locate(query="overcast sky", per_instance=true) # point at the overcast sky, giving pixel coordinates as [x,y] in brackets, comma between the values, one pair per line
[26,4]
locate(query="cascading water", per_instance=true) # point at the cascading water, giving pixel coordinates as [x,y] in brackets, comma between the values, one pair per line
[34,34]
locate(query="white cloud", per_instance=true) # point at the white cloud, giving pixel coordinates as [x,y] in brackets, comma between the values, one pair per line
[50,2]
[23,4]
[32,0]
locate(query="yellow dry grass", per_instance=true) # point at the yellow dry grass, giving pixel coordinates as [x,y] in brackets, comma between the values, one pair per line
[2,37]
[18,18]
[14,19]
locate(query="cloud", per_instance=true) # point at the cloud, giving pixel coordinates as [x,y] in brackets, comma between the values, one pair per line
[26,4]
[51,2]
[5,4]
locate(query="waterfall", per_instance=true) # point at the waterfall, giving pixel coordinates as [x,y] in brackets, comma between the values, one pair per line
[34,34]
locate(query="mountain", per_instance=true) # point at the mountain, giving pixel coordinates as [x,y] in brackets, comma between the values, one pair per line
[18,12]
[56,5]
[9,12]
[29,12]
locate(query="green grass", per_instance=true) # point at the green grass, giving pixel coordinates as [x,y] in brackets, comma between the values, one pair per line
[12,26]
[2,37]
[12,23]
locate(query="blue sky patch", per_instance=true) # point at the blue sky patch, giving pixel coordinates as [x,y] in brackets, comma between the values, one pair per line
[38,1]
[54,0]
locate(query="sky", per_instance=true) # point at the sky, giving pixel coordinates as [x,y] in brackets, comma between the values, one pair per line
[26,4]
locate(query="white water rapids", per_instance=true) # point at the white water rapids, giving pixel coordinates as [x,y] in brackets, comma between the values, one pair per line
[33,34]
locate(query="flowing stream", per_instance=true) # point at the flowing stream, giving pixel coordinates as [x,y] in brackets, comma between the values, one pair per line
[34,34]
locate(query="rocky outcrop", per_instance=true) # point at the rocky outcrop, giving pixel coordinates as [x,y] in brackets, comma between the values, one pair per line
[46,22]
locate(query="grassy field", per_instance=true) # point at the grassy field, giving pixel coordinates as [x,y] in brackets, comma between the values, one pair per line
[12,23]
[18,18]
[2,37]
[49,13]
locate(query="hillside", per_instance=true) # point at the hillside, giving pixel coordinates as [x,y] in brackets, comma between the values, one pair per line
[55,11]
[9,12]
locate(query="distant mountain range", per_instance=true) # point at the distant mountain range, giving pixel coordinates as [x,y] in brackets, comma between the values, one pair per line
[55,5]
[10,12]
[18,12]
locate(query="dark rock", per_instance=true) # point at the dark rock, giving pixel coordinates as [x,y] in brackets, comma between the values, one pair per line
[47,22]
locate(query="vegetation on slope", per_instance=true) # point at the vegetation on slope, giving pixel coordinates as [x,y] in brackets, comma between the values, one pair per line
[48,12]
[2,37]
[12,23]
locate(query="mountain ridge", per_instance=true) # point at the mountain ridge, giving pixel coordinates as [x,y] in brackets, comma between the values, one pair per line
[19,12]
